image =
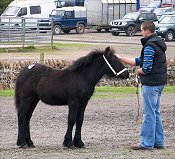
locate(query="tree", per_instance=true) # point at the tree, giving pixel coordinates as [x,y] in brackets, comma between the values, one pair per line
[4,4]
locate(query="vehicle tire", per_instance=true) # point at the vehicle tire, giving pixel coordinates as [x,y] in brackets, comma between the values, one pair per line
[115,33]
[66,31]
[131,30]
[169,36]
[99,30]
[80,29]
[56,30]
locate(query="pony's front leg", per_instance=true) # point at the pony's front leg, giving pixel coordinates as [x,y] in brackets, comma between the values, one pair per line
[71,121]
[79,121]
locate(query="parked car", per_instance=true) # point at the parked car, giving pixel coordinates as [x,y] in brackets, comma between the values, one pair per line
[160,11]
[131,23]
[66,19]
[30,10]
[151,7]
[166,27]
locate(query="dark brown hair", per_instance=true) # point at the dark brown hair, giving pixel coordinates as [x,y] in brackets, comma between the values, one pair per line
[147,25]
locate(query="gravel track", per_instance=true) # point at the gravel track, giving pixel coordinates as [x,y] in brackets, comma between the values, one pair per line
[109,128]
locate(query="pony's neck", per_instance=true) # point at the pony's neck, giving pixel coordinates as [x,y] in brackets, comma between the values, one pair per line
[95,72]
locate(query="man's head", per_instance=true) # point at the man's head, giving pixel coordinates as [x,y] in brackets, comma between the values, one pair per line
[147,28]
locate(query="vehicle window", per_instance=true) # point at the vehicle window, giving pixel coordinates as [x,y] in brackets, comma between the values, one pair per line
[133,15]
[154,4]
[150,16]
[10,11]
[35,9]
[159,11]
[142,16]
[167,19]
[68,14]
[79,2]
[58,12]
[23,11]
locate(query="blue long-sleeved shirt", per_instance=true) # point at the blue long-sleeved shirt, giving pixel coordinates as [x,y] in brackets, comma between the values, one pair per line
[147,60]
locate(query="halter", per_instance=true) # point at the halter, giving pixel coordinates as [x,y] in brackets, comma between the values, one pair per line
[117,74]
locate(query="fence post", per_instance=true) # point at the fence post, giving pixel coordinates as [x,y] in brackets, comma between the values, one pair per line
[23,33]
[52,35]
[41,58]
[0,29]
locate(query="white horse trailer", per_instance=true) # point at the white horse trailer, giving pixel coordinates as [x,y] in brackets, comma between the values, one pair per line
[101,12]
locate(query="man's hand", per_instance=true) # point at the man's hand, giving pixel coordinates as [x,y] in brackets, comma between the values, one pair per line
[140,72]
[126,60]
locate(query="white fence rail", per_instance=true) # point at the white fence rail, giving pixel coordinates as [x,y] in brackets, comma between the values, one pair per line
[24,32]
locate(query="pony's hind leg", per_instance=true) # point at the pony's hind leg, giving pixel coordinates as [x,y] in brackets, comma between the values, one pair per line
[24,115]
[29,115]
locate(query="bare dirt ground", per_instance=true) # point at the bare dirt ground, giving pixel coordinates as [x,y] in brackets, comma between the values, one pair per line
[109,129]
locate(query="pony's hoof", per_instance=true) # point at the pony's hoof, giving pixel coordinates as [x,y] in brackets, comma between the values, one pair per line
[79,144]
[24,147]
[32,146]
[68,144]
[18,143]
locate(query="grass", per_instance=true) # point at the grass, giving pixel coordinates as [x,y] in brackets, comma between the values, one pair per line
[7,92]
[117,92]
[104,92]
[113,92]
[18,49]
[45,48]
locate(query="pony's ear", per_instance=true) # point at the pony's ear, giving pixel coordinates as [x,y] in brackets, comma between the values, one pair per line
[108,51]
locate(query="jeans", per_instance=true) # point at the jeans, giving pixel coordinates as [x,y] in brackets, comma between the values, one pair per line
[152,133]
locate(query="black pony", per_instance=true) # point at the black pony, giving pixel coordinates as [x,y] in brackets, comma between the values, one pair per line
[72,86]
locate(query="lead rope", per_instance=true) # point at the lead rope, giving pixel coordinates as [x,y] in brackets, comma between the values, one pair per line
[138,99]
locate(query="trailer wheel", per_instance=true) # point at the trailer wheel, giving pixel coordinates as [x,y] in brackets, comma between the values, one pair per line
[131,30]
[169,36]
[99,30]
[80,29]
[56,29]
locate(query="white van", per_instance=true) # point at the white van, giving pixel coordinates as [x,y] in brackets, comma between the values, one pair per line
[29,9]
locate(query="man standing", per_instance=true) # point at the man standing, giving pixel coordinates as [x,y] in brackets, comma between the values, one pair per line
[153,75]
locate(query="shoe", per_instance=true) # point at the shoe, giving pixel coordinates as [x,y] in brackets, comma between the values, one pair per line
[159,147]
[138,147]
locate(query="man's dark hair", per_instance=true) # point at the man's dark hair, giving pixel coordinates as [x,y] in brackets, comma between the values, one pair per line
[147,25]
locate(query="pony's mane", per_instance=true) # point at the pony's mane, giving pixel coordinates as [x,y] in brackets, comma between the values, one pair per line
[86,60]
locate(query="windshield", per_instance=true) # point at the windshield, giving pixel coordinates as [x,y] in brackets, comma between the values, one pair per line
[58,13]
[11,11]
[133,15]
[167,19]
[159,11]
[153,5]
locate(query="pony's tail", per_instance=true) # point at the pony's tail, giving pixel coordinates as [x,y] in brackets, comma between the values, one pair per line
[17,100]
